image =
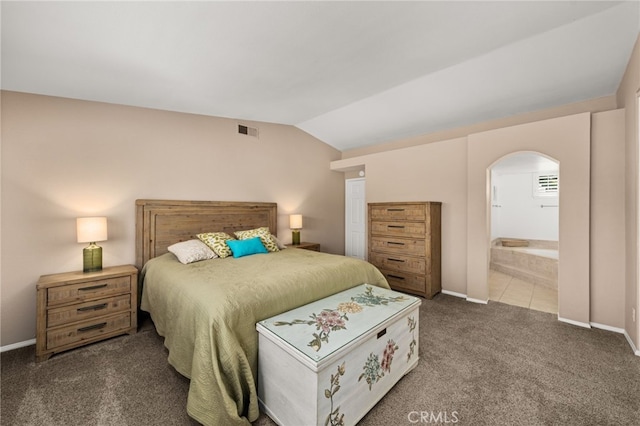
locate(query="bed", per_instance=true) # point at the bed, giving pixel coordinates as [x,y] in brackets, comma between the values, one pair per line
[207,310]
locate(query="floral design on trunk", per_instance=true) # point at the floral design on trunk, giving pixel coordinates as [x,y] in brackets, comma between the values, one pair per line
[374,368]
[334,418]
[412,346]
[326,321]
[369,299]
[329,320]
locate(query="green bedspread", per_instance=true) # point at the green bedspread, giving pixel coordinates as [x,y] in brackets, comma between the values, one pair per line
[207,312]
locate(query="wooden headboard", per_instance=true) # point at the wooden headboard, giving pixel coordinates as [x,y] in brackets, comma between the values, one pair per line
[160,223]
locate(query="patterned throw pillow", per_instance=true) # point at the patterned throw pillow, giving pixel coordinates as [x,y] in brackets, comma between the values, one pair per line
[191,251]
[217,241]
[263,233]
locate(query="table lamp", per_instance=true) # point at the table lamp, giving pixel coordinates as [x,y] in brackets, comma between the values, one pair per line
[295,224]
[90,230]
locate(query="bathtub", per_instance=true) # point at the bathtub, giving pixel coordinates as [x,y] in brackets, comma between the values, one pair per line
[550,253]
[537,263]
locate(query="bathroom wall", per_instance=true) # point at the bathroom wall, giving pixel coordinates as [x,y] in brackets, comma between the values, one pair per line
[516,210]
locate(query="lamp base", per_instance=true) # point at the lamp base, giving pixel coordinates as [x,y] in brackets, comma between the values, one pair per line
[92,258]
[295,237]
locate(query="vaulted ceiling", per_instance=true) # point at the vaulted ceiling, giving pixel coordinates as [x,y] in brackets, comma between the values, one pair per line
[350,73]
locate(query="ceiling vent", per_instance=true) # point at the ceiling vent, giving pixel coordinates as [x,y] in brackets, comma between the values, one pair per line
[246,130]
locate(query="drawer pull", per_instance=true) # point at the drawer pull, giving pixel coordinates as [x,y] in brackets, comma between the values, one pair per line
[396,226]
[393,242]
[93,327]
[93,287]
[395,277]
[395,260]
[382,333]
[93,308]
[395,210]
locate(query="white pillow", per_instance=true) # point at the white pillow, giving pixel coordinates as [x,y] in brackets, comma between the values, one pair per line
[278,242]
[191,251]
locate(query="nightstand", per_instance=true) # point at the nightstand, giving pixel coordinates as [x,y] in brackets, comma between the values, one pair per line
[77,308]
[306,246]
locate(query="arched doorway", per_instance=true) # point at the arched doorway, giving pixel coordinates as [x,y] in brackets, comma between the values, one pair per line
[567,139]
[524,229]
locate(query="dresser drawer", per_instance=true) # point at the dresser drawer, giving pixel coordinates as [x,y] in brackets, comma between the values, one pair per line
[398,229]
[395,262]
[88,290]
[398,212]
[403,281]
[398,245]
[87,310]
[87,330]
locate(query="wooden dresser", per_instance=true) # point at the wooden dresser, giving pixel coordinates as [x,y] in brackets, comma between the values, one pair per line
[77,308]
[404,243]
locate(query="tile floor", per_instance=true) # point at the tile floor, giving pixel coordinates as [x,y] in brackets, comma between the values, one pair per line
[513,291]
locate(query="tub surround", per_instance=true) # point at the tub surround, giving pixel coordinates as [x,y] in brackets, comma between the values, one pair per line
[537,262]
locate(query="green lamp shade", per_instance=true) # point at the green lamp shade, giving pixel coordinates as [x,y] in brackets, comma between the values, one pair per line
[92,258]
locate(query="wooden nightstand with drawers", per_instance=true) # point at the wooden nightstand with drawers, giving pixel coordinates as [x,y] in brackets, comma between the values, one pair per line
[305,246]
[77,308]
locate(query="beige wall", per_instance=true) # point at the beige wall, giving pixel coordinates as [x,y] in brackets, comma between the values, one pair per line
[607,259]
[431,172]
[627,99]
[454,172]
[64,158]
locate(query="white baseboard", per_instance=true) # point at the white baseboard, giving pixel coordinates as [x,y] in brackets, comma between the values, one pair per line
[607,327]
[572,322]
[633,347]
[464,296]
[483,302]
[17,345]
[635,350]
[453,293]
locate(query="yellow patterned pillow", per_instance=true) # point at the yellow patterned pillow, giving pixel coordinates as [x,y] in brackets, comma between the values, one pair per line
[217,241]
[263,233]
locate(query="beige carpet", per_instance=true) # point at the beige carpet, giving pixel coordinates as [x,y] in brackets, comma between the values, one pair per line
[479,365]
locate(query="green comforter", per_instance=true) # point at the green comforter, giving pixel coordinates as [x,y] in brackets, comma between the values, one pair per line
[207,312]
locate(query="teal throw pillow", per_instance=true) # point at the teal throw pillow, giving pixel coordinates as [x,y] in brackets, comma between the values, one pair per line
[241,248]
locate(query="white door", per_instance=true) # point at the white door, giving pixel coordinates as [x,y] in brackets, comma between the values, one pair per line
[355,218]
